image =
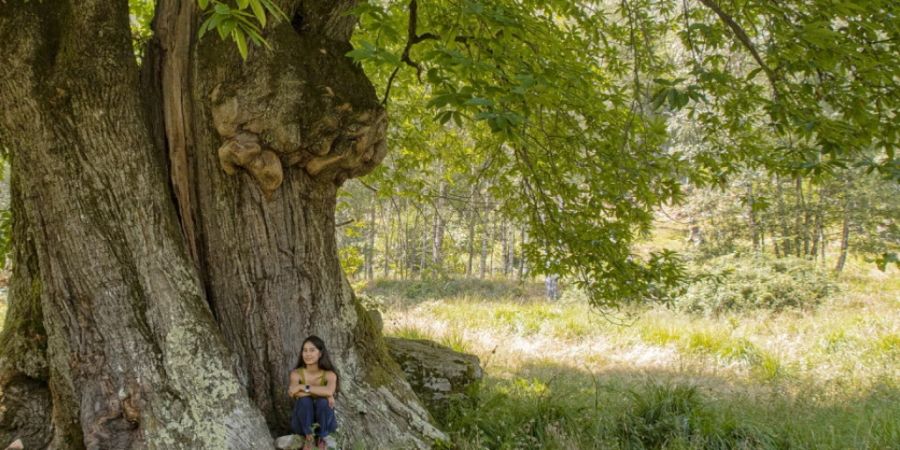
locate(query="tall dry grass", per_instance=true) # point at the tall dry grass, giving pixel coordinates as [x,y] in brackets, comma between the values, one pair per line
[562,375]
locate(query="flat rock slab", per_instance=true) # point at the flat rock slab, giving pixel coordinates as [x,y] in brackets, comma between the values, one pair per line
[295,442]
[289,442]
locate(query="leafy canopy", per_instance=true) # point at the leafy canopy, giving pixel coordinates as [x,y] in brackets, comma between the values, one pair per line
[572,105]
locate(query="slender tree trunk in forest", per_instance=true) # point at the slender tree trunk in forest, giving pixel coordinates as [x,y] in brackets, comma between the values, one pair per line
[388,221]
[504,247]
[751,215]
[817,234]
[803,219]
[174,324]
[782,217]
[437,243]
[845,240]
[404,259]
[491,247]
[762,236]
[512,250]
[417,257]
[522,256]
[370,241]
[482,266]
[471,246]
[425,247]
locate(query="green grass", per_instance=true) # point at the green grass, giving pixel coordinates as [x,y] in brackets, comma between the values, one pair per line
[413,291]
[560,375]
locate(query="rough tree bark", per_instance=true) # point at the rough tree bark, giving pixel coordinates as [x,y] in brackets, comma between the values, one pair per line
[181,230]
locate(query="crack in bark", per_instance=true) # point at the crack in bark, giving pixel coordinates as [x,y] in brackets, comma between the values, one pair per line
[174,25]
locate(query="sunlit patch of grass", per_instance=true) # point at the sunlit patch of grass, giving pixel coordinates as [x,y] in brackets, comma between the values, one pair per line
[885,347]
[834,340]
[574,326]
[659,335]
[409,332]
[795,379]
[456,341]
[768,368]
[704,343]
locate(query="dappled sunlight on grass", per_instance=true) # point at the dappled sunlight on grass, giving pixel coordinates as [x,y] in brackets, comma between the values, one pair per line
[821,378]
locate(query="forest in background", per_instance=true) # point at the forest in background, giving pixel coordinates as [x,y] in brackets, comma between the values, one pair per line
[459,195]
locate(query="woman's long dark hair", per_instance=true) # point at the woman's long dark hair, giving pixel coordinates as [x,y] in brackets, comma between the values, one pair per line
[324,358]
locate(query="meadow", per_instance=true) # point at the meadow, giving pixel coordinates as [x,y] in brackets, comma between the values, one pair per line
[562,375]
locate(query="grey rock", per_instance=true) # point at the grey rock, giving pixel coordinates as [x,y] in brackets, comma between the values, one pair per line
[377,320]
[438,374]
[294,441]
[291,442]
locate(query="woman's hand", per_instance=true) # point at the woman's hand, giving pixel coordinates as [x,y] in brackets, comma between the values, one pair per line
[331,401]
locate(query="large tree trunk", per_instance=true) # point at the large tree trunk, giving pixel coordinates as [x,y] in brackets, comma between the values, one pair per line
[136,358]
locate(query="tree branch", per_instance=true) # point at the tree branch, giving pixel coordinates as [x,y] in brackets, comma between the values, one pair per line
[412,39]
[744,39]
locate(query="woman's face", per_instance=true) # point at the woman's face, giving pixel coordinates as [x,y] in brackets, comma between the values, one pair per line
[311,354]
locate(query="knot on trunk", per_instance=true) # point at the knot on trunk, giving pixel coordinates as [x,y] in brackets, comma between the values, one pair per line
[314,110]
[337,152]
[244,151]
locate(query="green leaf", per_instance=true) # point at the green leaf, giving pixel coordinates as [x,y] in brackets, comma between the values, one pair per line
[259,12]
[257,39]
[274,10]
[243,4]
[360,53]
[203,4]
[241,42]
[753,73]
[203,28]
[478,101]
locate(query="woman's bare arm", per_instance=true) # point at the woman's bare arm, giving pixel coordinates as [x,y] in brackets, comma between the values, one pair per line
[295,389]
[328,389]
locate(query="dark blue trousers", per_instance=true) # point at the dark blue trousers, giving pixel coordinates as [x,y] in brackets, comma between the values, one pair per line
[313,410]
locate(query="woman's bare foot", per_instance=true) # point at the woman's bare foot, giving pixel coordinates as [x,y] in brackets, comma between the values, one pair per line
[308,444]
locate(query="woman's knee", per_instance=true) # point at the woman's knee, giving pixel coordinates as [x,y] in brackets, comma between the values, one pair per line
[322,402]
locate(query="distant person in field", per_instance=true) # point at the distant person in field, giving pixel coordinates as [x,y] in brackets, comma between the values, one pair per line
[313,385]
[552,284]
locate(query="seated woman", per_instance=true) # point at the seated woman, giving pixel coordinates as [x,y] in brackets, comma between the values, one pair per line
[313,384]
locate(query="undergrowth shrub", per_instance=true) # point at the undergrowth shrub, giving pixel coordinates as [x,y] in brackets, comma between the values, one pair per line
[735,283]
[437,289]
[675,416]
[521,413]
